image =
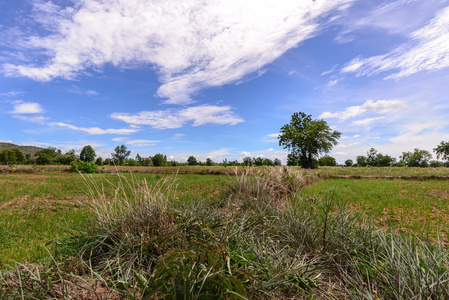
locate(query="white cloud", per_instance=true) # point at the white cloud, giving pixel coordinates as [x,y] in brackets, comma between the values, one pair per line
[177,136]
[271,138]
[6,141]
[270,149]
[366,121]
[192,44]
[380,106]
[356,136]
[12,94]
[428,49]
[244,153]
[94,130]
[120,139]
[22,107]
[142,143]
[164,119]
[219,153]
[77,90]
[40,119]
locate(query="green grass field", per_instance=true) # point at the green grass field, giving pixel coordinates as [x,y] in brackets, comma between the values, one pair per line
[420,206]
[36,208]
[273,233]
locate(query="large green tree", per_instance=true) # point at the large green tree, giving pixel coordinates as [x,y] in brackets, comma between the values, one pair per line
[87,154]
[192,161]
[306,139]
[121,153]
[159,160]
[442,150]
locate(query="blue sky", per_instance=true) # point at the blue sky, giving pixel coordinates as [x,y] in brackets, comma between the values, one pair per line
[219,79]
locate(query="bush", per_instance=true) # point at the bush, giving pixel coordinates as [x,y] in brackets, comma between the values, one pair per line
[84,166]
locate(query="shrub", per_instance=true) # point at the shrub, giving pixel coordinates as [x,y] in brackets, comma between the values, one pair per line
[84,166]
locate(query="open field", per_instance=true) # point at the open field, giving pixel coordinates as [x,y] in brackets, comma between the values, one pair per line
[403,172]
[420,206]
[36,208]
[274,233]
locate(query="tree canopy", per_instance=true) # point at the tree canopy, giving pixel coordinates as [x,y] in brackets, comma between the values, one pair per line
[87,154]
[442,150]
[121,153]
[306,139]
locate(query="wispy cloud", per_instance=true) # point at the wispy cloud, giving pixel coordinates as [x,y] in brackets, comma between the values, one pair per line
[164,119]
[22,107]
[366,121]
[12,94]
[177,136]
[428,49]
[379,106]
[77,90]
[219,153]
[194,45]
[93,130]
[271,138]
[39,119]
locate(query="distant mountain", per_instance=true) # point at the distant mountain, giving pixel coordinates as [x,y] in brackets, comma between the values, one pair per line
[25,149]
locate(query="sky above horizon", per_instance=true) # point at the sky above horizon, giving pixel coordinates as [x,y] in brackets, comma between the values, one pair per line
[219,79]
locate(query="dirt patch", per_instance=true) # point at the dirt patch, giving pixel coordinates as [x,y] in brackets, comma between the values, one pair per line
[25,204]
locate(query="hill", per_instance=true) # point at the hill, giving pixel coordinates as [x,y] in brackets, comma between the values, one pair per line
[25,149]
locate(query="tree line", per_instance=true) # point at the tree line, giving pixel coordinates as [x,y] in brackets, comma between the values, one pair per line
[120,157]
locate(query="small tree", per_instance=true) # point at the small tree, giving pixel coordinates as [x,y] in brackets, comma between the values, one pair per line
[277,162]
[417,158]
[361,161]
[349,162]
[87,154]
[307,138]
[327,161]
[99,161]
[371,157]
[442,150]
[209,162]
[247,161]
[159,160]
[192,161]
[121,153]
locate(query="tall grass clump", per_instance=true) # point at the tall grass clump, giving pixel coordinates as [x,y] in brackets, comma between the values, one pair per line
[258,240]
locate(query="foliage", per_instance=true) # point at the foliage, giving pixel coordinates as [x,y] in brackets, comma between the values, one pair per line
[159,160]
[292,160]
[361,161]
[67,158]
[11,156]
[417,158]
[87,154]
[349,162]
[209,162]
[277,162]
[384,160]
[99,161]
[47,156]
[192,161]
[327,161]
[442,150]
[84,166]
[120,154]
[307,138]
[436,164]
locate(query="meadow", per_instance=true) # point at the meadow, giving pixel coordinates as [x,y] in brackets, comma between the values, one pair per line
[261,233]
